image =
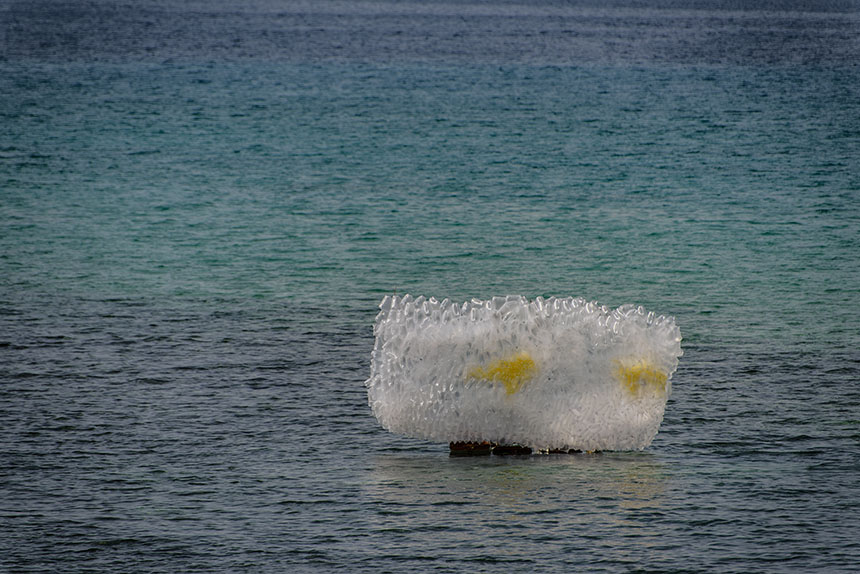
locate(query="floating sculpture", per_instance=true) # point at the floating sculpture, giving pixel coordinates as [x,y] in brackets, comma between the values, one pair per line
[551,374]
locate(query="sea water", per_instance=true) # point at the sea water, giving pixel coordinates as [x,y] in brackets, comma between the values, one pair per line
[203,203]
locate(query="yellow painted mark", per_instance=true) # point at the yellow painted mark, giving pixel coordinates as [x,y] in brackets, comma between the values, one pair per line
[512,372]
[635,376]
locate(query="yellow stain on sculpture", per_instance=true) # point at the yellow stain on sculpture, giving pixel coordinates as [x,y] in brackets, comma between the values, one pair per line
[513,372]
[641,374]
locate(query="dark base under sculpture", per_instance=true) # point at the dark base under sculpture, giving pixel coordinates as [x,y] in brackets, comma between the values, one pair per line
[486,448]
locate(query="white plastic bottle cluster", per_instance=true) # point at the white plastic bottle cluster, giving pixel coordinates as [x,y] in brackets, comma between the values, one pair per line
[557,373]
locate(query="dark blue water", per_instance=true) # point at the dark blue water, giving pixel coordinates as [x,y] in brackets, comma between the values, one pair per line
[202,204]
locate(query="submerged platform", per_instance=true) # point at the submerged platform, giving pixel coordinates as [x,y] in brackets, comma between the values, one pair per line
[486,448]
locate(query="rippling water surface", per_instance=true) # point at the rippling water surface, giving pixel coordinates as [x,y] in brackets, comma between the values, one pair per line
[201,206]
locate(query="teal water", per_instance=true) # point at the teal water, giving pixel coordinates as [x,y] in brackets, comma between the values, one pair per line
[200,208]
[722,192]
